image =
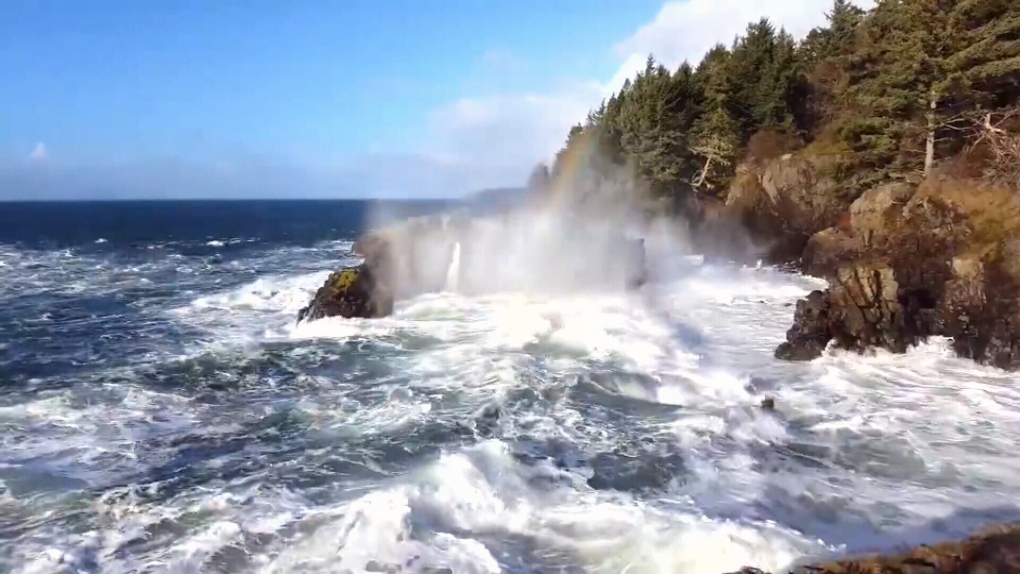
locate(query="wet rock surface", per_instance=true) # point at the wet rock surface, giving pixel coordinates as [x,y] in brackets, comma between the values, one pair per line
[351,292]
[992,551]
[916,263]
[454,252]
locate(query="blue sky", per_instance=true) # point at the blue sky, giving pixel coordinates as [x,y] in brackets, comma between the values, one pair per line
[340,98]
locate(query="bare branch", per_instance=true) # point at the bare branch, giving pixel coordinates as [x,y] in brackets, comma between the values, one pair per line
[1004,147]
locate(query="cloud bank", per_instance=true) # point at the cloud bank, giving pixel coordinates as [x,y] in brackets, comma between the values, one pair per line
[493,140]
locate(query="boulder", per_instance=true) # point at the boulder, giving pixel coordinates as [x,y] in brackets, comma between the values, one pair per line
[868,308]
[351,292]
[878,208]
[826,250]
[810,332]
[980,309]
[880,216]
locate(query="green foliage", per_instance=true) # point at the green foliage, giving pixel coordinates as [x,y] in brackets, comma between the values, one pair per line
[890,85]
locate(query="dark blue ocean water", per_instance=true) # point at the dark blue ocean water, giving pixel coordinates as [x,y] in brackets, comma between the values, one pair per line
[75,269]
[128,224]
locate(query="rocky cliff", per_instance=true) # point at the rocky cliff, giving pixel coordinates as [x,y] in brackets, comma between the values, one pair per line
[905,261]
[772,208]
[910,262]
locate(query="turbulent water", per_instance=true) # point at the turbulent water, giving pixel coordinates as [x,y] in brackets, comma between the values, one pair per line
[161,412]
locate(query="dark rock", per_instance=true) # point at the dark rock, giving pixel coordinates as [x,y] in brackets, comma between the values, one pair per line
[350,292]
[980,309]
[912,267]
[768,404]
[487,421]
[810,333]
[864,308]
[416,256]
[826,250]
[995,550]
[636,273]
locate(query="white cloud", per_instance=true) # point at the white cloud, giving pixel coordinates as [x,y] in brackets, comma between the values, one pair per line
[40,153]
[686,30]
[509,133]
[507,130]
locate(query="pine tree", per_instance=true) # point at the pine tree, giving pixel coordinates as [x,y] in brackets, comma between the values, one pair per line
[823,58]
[900,78]
[988,60]
[716,142]
[895,86]
[655,120]
[923,66]
[835,40]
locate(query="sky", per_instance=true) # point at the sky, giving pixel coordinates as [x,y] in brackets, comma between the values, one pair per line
[183,99]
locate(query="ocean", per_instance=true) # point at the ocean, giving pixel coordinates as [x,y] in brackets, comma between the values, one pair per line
[161,411]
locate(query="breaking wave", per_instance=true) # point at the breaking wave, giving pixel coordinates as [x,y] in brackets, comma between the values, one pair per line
[163,413]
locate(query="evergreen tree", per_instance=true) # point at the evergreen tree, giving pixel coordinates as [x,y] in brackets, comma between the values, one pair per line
[716,142]
[921,67]
[894,86]
[899,77]
[988,59]
[655,120]
[716,134]
[837,39]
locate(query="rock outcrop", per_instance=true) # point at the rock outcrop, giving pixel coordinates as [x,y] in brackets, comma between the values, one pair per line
[434,253]
[351,292]
[992,551]
[398,261]
[942,259]
[771,208]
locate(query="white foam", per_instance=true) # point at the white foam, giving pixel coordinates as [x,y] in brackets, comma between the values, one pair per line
[895,442]
[483,492]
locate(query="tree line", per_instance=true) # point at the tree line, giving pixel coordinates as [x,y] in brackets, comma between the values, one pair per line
[889,92]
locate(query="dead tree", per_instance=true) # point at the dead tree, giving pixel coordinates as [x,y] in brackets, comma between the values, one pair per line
[1003,148]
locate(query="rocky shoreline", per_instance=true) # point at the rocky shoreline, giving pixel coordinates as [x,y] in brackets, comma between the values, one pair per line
[430,254]
[916,263]
[995,550]
[904,262]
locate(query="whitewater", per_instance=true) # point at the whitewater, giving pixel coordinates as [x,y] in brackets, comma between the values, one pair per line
[202,430]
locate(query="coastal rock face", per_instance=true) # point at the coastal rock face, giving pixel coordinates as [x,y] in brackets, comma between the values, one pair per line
[396,264]
[350,292]
[914,263]
[811,330]
[779,204]
[435,253]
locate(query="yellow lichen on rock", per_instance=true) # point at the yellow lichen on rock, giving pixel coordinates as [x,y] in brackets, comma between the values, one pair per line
[345,279]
